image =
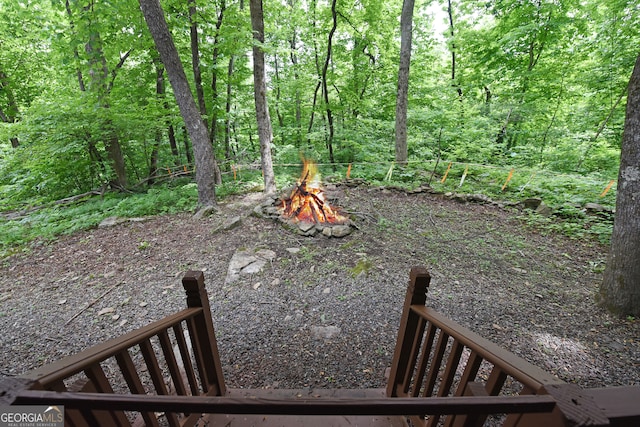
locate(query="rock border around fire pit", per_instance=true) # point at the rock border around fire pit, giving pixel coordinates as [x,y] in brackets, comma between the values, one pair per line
[268,210]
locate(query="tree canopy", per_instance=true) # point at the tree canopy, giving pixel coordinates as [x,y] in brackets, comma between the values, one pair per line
[537,83]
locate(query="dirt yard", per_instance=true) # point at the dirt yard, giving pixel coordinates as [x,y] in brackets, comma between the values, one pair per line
[322,312]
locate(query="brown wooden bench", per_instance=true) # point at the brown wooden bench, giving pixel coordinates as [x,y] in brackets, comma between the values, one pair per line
[169,373]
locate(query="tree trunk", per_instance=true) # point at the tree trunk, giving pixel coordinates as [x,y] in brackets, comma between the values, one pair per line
[12,111]
[454,83]
[76,55]
[298,101]
[197,129]
[406,28]
[227,121]
[277,72]
[325,89]
[161,92]
[318,84]
[214,76]
[153,160]
[620,289]
[265,133]
[195,57]
[99,73]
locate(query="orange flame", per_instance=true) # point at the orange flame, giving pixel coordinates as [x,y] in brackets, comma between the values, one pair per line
[307,202]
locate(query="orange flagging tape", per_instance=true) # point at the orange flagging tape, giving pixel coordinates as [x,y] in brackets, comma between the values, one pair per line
[185,169]
[233,168]
[169,169]
[349,171]
[508,179]
[606,190]
[444,178]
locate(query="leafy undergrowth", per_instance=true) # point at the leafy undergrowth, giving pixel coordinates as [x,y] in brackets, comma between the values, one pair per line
[565,194]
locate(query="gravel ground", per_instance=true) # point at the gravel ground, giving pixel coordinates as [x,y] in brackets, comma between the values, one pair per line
[531,293]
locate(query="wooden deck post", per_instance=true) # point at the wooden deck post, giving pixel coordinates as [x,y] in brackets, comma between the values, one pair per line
[401,365]
[193,283]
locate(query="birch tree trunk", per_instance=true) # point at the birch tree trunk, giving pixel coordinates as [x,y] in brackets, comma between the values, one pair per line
[620,289]
[196,128]
[265,133]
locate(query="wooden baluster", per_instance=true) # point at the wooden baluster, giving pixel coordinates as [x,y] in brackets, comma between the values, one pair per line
[424,359]
[156,377]
[185,354]
[99,381]
[130,375]
[172,363]
[204,334]
[400,366]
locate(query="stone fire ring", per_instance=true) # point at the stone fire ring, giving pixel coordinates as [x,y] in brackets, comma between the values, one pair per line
[268,209]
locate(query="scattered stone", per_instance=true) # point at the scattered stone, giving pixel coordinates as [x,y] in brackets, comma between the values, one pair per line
[531,203]
[267,254]
[111,221]
[593,207]
[256,286]
[122,322]
[543,209]
[341,230]
[275,282]
[115,317]
[245,262]
[326,290]
[62,301]
[115,220]
[293,250]
[106,310]
[143,304]
[306,226]
[205,212]
[231,223]
[324,332]
[258,212]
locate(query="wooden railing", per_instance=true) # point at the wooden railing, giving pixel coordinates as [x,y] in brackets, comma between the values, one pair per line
[436,357]
[441,374]
[177,355]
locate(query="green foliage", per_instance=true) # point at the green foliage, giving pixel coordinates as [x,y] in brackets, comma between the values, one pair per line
[539,87]
[49,222]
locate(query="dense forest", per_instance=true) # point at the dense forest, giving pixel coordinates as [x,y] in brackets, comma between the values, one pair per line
[84,99]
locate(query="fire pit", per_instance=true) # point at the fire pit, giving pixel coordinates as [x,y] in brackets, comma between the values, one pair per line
[305,209]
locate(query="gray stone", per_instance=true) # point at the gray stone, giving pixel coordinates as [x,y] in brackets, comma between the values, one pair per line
[271,211]
[232,223]
[205,211]
[327,231]
[341,230]
[258,212]
[594,207]
[306,226]
[324,332]
[246,262]
[111,221]
[543,209]
[532,203]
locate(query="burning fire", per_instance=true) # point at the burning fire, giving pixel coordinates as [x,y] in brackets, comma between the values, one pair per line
[307,202]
